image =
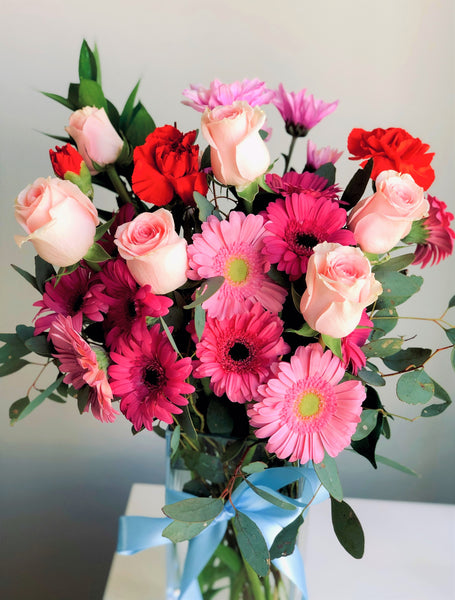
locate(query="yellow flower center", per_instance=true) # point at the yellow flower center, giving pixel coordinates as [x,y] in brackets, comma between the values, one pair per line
[237,270]
[309,404]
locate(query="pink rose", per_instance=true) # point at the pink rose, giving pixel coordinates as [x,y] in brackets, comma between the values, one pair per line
[60,220]
[382,220]
[95,137]
[238,153]
[153,251]
[339,286]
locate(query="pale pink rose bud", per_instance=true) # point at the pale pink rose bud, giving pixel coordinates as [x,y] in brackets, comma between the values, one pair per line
[154,253]
[380,221]
[95,137]
[238,153]
[339,286]
[59,219]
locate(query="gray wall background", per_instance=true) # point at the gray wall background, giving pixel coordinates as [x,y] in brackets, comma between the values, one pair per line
[65,478]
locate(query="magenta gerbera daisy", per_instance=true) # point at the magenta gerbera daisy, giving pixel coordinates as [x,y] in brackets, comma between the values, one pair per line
[238,353]
[83,366]
[304,411]
[307,183]
[351,345]
[437,233]
[148,377]
[75,295]
[298,223]
[128,304]
[252,91]
[299,111]
[233,249]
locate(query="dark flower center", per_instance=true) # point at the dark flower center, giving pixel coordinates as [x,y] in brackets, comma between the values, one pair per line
[296,129]
[131,308]
[77,304]
[239,352]
[152,377]
[306,240]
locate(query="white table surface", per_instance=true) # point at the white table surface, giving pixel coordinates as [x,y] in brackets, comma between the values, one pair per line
[409,553]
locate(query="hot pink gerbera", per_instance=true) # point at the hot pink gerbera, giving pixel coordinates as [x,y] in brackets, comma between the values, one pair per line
[307,183]
[80,363]
[252,91]
[233,249]
[298,223]
[237,353]
[75,295]
[301,112]
[316,157]
[439,235]
[148,377]
[352,343]
[128,304]
[304,410]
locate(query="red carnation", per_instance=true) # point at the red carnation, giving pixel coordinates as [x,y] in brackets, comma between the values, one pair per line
[65,159]
[393,148]
[168,164]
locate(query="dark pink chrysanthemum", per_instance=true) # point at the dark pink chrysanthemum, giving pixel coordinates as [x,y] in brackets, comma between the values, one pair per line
[439,235]
[351,344]
[252,91]
[307,183]
[75,295]
[80,363]
[233,249]
[301,112]
[148,377]
[128,304]
[304,411]
[298,223]
[316,157]
[237,353]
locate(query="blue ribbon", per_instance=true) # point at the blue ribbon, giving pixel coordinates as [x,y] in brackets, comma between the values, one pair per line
[139,533]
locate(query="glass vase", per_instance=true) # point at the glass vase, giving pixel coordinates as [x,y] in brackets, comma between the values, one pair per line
[226,575]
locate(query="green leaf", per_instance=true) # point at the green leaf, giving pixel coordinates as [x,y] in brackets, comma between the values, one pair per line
[39,345]
[406,359]
[27,276]
[96,254]
[206,291]
[127,111]
[140,126]
[304,331]
[434,409]
[371,377]
[382,347]
[254,467]
[356,187]
[270,498]
[327,171]
[73,95]
[91,94]
[296,298]
[210,467]
[452,358]
[175,440]
[199,321]
[252,544]
[396,288]
[169,335]
[101,229]
[398,263]
[334,344]
[367,446]
[14,348]
[440,392]
[40,398]
[12,366]
[82,396]
[180,531]
[206,159]
[395,465]
[450,334]
[248,194]
[451,302]
[219,419]
[16,408]
[384,321]
[43,272]
[56,398]
[415,387]
[347,528]
[327,473]
[369,418]
[205,207]
[186,423]
[229,557]
[25,332]
[194,510]
[60,100]
[87,63]
[284,543]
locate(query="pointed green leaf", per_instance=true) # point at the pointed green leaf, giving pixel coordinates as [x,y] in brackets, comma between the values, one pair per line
[16,408]
[347,528]
[397,263]
[140,126]
[434,409]
[270,497]
[207,290]
[40,398]
[60,100]
[252,544]
[451,302]
[12,366]
[175,440]
[327,171]
[395,465]
[334,344]
[356,187]
[248,194]
[91,94]
[415,387]
[25,332]
[96,254]
[101,229]
[284,543]
[14,348]
[327,473]
[43,272]
[186,423]
[127,111]
[87,63]
[205,207]
[451,335]
[440,392]
[219,418]
[194,510]
[180,531]
[199,321]
[369,418]
[169,335]
[27,276]
[406,359]
[367,446]
[304,331]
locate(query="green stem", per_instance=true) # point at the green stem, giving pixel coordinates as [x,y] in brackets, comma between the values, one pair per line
[287,159]
[118,184]
[256,586]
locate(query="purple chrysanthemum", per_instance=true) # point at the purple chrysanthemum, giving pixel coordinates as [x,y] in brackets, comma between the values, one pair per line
[252,91]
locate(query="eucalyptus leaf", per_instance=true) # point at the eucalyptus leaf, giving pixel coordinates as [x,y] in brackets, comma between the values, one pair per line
[254,467]
[434,409]
[180,531]
[397,263]
[194,510]
[219,419]
[396,288]
[347,528]
[206,291]
[252,544]
[382,347]
[451,334]
[40,398]
[396,465]
[384,321]
[205,207]
[451,302]
[284,543]
[13,365]
[369,418]
[25,332]
[39,345]
[199,321]
[327,473]
[408,358]
[415,387]
[371,377]
[14,348]
[270,497]
[175,440]
[82,398]
[367,446]
[16,408]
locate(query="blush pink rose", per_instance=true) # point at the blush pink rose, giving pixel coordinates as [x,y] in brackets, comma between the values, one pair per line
[59,219]
[95,137]
[380,221]
[154,252]
[238,153]
[339,286]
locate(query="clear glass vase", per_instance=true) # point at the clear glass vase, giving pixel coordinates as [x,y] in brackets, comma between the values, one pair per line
[226,575]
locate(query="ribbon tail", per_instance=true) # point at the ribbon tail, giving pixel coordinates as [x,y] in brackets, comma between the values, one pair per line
[139,533]
[292,567]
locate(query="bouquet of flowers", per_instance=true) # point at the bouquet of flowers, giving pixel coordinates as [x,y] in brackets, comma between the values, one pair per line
[244,308]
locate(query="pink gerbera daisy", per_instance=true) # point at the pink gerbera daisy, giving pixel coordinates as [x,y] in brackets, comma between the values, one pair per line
[75,295]
[307,183]
[128,304]
[305,411]
[316,157]
[301,112]
[233,249]
[351,344]
[252,91]
[439,236]
[81,363]
[148,377]
[297,224]
[237,353]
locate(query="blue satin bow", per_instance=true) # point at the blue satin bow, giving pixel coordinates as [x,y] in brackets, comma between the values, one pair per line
[139,533]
